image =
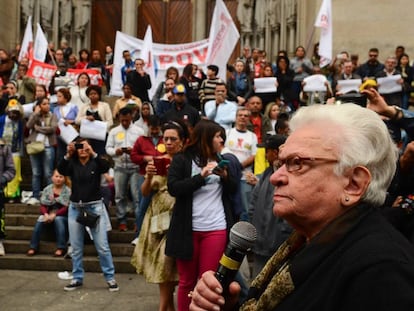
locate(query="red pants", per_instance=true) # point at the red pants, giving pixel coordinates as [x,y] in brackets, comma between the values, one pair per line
[208,247]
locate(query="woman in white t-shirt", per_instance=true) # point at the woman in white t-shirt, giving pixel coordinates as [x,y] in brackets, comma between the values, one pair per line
[78,92]
[202,214]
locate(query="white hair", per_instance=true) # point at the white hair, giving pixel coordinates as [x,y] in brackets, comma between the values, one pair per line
[363,139]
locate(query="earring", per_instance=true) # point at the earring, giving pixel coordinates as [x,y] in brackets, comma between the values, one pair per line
[346,199]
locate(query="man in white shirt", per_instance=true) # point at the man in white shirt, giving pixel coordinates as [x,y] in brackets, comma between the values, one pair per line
[221,110]
[120,141]
[243,144]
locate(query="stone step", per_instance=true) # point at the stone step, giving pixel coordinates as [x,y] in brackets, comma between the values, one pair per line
[30,220]
[49,263]
[49,247]
[20,221]
[21,208]
[25,233]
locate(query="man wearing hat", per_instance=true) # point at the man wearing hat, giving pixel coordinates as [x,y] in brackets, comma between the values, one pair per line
[271,230]
[11,133]
[180,109]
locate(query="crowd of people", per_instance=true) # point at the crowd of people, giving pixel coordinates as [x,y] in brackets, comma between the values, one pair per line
[204,153]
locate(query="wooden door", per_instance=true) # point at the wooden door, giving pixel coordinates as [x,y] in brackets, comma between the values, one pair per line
[171,21]
[106,20]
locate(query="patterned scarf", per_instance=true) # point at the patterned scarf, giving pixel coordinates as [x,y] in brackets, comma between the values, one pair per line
[274,282]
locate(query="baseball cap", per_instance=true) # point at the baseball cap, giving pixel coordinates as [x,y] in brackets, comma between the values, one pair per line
[179,89]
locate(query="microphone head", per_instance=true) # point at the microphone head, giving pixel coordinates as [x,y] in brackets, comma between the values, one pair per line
[243,235]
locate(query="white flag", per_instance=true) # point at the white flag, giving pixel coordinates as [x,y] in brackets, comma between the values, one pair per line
[222,39]
[148,57]
[27,42]
[40,45]
[324,21]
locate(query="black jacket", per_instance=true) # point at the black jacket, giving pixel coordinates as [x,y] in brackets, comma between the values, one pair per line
[359,263]
[182,185]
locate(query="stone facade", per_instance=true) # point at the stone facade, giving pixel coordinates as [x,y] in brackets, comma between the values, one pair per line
[268,24]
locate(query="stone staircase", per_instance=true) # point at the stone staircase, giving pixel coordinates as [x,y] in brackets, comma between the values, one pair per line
[20,221]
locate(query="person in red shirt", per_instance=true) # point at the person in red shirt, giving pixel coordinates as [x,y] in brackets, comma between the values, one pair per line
[144,151]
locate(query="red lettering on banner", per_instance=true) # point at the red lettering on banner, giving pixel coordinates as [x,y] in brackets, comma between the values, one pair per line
[184,58]
[165,59]
[201,54]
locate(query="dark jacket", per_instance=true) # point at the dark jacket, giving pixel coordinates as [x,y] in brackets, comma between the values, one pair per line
[360,262]
[186,113]
[272,230]
[140,85]
[233,91]
[182,185]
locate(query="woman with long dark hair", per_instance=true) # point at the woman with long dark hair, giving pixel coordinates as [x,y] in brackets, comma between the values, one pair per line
[202,212]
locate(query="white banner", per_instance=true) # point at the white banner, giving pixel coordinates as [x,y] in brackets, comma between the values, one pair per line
[222,39]
[163,56]
[148,58]
[27,42]
[324,21]
[40,45]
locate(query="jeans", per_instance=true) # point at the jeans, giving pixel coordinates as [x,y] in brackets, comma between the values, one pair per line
[42,165]
[60,223]
[245,190]
[143,206]
[100,239]
[123,176]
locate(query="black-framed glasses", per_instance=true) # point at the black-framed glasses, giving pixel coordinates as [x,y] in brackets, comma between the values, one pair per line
[295,163]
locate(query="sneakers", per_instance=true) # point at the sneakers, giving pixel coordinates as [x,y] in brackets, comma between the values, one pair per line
[113,286]
[73,285]
[65,275]
[33,201]
[123,227]
[2,251]
[134,241]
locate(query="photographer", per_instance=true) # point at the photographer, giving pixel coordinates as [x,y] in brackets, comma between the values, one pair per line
[82,164]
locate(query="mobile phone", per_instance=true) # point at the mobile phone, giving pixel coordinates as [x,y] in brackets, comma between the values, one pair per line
[124,149]
[222,164]
[161,165]
[78,146]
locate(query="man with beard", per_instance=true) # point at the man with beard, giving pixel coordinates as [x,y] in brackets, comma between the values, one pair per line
[369,69]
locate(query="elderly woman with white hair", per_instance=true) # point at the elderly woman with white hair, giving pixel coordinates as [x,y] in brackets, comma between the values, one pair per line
[334,171]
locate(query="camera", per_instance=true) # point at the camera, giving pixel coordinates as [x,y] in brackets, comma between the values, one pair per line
[78,146]
[407,204]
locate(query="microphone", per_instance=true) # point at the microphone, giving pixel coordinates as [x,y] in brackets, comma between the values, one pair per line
[242,238]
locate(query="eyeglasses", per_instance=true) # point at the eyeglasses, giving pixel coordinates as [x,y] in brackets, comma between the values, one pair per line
[295,163]
[172,139]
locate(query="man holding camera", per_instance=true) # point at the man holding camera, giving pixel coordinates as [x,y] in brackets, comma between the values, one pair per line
[120,141]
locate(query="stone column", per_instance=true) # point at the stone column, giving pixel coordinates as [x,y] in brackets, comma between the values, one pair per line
[199,20]
[129,17]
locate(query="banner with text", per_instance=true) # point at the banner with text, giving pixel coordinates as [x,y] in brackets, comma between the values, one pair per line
[43,73]
[164,56]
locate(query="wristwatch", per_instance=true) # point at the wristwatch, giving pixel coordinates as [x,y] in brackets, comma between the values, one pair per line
[398,113]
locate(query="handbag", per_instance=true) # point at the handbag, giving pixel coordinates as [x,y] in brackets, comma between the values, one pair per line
[35,147]
[160,223]
[87,219]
